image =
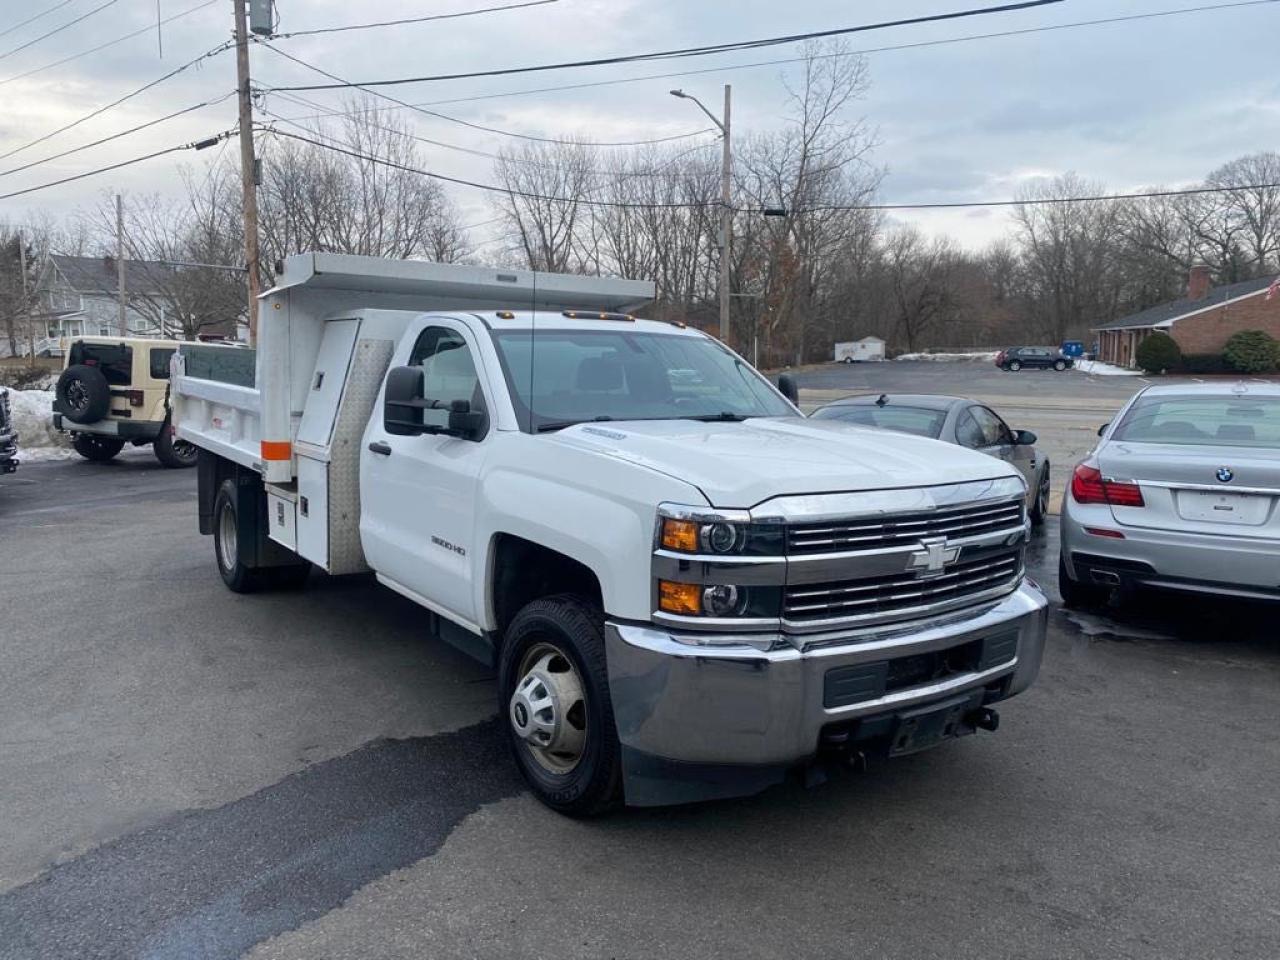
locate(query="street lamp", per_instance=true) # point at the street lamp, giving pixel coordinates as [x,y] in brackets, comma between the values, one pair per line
[726,210]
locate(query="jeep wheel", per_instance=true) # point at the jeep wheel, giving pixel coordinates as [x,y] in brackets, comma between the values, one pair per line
[554,694]
[82,394]
[171,451]
[97,449]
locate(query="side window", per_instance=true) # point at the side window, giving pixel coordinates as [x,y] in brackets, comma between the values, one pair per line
[968,433]
[994,432]
[448,373]
[160,357]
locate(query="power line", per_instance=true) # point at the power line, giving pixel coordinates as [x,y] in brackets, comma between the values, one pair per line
[115,103]
[468,123]
[110,43]
[397,23]
[116,136]
[44,13]
[526,161]
[493,188]
[489,187]
[690,51]
[69,23]
[728,68]
[193,145]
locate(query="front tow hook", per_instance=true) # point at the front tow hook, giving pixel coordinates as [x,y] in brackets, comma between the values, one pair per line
[984,718]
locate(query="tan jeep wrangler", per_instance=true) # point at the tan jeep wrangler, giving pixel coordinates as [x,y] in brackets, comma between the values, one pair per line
[115,390]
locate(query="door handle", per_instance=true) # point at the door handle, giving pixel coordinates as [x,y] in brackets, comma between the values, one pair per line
[379,447]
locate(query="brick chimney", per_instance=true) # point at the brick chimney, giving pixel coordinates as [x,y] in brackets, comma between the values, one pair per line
[1199,283]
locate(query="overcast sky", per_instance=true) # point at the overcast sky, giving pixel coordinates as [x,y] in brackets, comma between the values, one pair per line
[1159,101]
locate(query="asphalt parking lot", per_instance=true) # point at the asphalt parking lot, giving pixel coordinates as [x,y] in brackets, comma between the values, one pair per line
[189,773]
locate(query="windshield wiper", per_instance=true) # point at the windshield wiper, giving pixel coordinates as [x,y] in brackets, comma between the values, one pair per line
[724,416]
[551,425]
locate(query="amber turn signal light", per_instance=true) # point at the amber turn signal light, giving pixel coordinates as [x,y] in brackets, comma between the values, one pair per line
[681,598]
[680,535]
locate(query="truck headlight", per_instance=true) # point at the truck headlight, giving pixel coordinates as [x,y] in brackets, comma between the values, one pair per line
[719,600]
[720,533]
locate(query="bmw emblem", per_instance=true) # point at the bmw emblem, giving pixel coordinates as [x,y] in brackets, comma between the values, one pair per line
[1225,475]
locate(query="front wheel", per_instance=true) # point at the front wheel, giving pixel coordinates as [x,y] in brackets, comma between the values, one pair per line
[1040,506]
[97,449]
[554,693]
[172,452]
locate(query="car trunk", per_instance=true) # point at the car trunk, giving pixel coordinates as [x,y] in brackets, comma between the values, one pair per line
[1233,491]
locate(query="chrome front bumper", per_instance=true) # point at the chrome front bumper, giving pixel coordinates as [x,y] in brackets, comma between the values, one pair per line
[679,706]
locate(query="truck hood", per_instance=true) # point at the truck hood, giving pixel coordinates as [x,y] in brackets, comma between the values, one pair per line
[739,465]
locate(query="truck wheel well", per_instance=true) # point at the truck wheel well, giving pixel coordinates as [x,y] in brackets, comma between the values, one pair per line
[523,571]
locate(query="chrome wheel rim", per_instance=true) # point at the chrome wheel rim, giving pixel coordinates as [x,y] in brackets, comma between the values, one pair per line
[227,537]
[77,395]
[548,710]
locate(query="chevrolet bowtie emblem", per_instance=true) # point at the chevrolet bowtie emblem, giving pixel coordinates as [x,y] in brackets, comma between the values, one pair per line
[933,557]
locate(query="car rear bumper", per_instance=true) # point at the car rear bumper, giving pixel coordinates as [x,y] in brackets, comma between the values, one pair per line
[123,429]
[1166,559]
[697,722]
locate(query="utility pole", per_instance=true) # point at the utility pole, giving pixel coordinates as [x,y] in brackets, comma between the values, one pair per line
[122,320]
[726,218]
[726,200]
[26,305]
[248,167]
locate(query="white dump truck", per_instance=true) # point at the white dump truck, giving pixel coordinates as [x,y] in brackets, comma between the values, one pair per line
[687,588]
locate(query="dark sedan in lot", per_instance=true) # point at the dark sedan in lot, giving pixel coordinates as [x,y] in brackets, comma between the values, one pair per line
[953,420]
[1032,358]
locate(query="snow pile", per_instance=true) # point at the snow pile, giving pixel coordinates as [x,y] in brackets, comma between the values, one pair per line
[983,356]
[32,412]
[1099,369]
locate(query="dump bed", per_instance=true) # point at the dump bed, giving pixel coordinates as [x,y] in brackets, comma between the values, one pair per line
[331,316]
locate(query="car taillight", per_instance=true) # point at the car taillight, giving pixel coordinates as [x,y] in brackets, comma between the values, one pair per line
[135,397]
[1088,486]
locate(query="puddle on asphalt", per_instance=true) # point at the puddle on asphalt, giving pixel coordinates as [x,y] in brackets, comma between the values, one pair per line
[1095,626]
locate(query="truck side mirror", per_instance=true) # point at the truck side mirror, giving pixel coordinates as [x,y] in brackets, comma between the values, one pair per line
[402,402]
[465,422]
[787,384]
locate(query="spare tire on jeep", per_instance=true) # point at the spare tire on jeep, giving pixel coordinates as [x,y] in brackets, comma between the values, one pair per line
[82,394]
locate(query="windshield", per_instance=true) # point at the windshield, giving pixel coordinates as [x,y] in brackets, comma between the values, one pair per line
[920,421]
[568,376]
[1235,421]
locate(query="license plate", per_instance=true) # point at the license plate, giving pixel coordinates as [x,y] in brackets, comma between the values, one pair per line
[922,729]
[1245,509]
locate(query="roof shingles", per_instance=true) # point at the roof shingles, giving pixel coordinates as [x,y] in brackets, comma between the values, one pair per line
[1166,313]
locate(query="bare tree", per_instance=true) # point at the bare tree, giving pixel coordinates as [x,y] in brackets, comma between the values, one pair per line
[546,222]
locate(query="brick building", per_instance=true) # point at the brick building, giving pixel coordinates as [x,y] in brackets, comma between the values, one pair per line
[1201,322]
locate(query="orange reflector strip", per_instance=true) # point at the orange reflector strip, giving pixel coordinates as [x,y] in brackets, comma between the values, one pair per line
[276,450]
[680,535]
[685,598]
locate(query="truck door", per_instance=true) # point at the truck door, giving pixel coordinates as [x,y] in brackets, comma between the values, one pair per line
[417,493]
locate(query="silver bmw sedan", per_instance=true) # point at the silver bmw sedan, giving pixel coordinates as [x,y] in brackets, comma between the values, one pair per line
[1181,493]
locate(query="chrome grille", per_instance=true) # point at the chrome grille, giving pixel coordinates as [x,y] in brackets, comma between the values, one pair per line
[873,533]
[902,596]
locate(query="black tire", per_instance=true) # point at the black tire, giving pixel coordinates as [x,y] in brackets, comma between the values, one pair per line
[1079,596]
[83,394]
[172,452]
[575,629]
[1014,366]
[1040,506]
[238,577]
[1059,365]
[97,449]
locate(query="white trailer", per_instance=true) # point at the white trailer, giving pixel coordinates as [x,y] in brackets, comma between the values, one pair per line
[859,351]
